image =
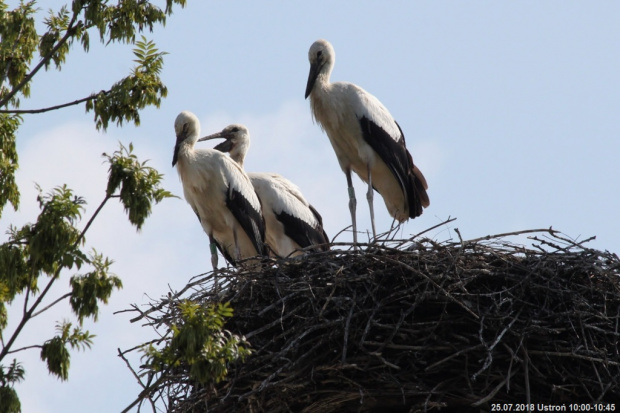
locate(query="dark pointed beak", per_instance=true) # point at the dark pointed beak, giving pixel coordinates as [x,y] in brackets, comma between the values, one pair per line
[175,157]
[212,136]
[180,138]
[225,146]
[314,73]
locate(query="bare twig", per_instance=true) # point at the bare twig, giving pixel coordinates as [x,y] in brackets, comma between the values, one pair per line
[432,325]
[51,108]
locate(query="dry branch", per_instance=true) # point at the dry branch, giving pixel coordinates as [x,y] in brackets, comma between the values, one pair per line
[414,327]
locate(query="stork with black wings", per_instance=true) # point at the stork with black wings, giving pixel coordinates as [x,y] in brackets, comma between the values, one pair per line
[291,222]
[221,195]
[367,140]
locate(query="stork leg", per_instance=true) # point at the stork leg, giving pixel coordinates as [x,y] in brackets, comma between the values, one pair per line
[352,205]
[213,248]
[369,197]
[237,249]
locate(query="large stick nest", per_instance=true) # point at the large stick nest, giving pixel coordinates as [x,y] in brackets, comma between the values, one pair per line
[410,326]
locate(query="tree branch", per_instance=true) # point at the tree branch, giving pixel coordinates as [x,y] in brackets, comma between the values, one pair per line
[44,60]
[25,348]
[28,289]
[90,221]
[147,391]
[64,105]
[67,295]
[549,230]
[28,314]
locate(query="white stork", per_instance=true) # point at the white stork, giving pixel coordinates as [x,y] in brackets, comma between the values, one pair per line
[220,193]
[291,222]
[367,140]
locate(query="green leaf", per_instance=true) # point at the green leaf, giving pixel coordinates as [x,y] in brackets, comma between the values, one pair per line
[53,240]
[55,352]
[94,287]
[51,44]
[58,359]
[52,243]
[199,343]
[18,43]
[140,89]
[138,185]
[9,191]
[14,374]
[10,401]
[14,272]
[4,315]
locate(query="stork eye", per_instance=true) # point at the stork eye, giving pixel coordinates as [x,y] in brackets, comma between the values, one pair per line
[319,53]
[235,129]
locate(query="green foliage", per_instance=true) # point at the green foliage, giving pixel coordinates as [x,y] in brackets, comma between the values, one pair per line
[53,241]
[140,89]
[139,184]
[37,254]
[116,22]
[19,42]
[47,246]
[14,374]
[119,21]
[55,352]
[14,271]
[57,357]
[199,344]
[4,316]
[95,286]
[9,402]
[57,24]
[8,161]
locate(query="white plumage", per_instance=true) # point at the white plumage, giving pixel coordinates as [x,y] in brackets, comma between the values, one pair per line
[220,193]
[367,140]
[291,222]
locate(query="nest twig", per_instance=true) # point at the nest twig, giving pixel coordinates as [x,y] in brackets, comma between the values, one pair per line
[413,325]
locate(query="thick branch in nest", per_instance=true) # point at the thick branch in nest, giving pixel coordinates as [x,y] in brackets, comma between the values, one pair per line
[423,325]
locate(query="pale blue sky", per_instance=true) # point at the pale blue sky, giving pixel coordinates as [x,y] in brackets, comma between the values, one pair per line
[509,108]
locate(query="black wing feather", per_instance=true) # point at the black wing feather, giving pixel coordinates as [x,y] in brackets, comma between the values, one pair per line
[301,232]
[250,219]
[224,252]
[323,237]
[396,156]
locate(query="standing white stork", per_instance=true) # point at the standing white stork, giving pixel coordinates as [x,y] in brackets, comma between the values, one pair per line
[220,193]
[291,222]
[367,140]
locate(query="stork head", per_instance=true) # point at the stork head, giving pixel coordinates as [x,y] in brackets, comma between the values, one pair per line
[237,141]
[187,129]
[322,57]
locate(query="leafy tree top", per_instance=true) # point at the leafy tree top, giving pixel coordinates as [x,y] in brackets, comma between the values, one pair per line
[38,254]
[24,52]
